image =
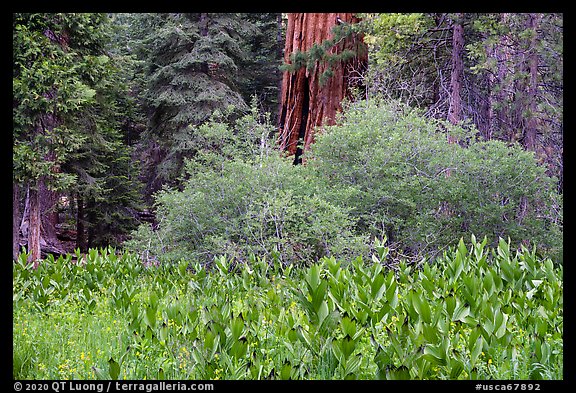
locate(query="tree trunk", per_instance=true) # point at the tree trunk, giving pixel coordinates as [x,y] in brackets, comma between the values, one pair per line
[490,114]
[306,104]
[530,132]
[90,232]
[15,221]
[42,209]
[504,97]
[49,214]
[80,231]
[528,110]
[34,224]
[455,108]
[456,75]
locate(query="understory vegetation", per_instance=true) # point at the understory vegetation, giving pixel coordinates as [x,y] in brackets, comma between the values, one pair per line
[475,312]
[352,266]
[384,170]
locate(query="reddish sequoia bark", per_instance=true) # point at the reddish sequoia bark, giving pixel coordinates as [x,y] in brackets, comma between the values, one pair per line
[305,104]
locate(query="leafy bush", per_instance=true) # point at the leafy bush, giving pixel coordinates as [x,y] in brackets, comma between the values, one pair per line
[242,198]
[395,172]
[474,313]
[384,169]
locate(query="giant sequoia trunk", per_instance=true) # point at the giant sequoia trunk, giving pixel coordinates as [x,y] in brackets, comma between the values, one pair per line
[306,104]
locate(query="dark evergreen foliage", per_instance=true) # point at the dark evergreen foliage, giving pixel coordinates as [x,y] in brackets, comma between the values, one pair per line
[196,65]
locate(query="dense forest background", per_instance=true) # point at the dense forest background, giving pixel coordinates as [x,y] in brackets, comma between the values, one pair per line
[159,133]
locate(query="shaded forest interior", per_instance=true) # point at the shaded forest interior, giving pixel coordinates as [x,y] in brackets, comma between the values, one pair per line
[112,110]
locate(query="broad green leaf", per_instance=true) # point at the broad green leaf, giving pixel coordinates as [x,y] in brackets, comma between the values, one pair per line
[428,286]
[322,311]
[318,297]
[292,335]
[501,328]
[422,308]
[347,346]
[236,327]
[304,337]
[398,373]
[461,312]
[377,286]
[430,333]
[113,368]
[313,277]
[456,368]
[435,354]
[329,323]
[150,316]
[476,350]
[382,358]
[352,364]
[239,348]
[348,326]
[392,294]
[503,249]
[450,305]
[163,332]
[462,248]
[286,371]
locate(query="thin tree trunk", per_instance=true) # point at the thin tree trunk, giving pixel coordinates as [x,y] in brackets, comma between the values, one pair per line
[455,108]
[43,215]
[490,113]
[279,40]
[80,230]
[504,97]
[25,215]
[15,221]
[456,75]
[91,222]
[531,120]
[530,132]
[34,224]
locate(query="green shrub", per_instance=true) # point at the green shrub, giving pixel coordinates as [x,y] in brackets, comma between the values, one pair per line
[395,172]
[384,169]
[245,203]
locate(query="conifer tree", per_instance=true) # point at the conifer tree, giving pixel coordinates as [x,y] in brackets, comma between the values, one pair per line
[191,68]
[66,134]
